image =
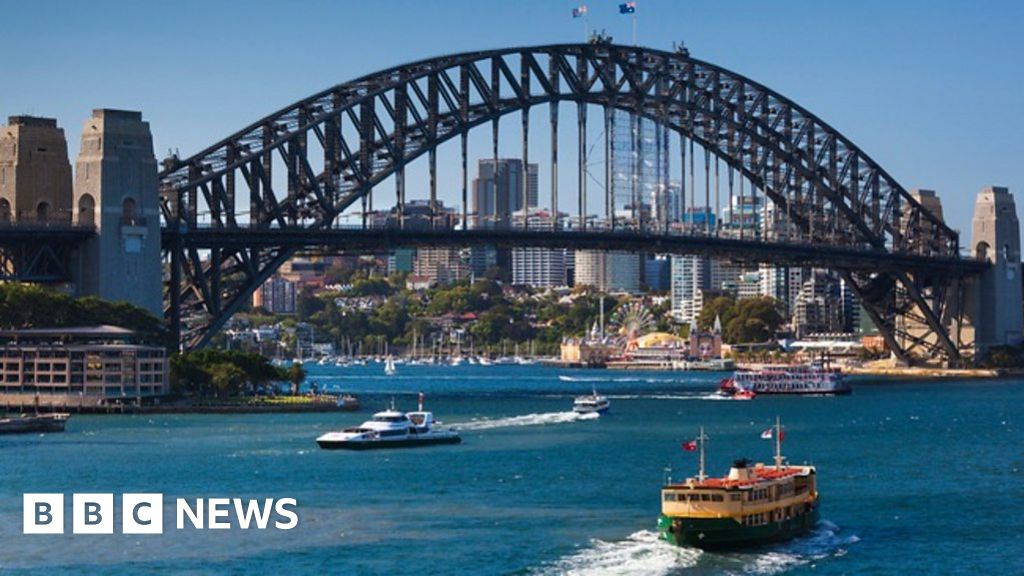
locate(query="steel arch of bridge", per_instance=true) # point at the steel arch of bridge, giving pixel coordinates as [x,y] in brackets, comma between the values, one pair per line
[368,130]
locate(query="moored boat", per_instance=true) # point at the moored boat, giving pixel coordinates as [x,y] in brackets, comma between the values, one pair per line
[807,379]
[754,504]
[30,423]
[592,403]
[392,429]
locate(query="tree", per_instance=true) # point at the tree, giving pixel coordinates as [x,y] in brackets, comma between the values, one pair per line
[296,375]
[722,307]
[227,379]
[306,304]
[753,320]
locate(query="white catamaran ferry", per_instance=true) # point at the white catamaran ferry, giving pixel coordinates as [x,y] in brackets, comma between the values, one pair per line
[592,403]
[392,429]
[809,379]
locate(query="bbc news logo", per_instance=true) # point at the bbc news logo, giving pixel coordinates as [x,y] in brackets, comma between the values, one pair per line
[144,513]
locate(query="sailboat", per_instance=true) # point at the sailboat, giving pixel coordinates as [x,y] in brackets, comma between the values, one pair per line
[389,366]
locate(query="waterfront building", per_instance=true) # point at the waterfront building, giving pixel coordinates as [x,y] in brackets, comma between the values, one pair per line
[705,345]
[276,296]
[35,175]
[79,367]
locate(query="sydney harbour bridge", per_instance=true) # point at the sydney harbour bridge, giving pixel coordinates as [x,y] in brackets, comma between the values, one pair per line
[235,212]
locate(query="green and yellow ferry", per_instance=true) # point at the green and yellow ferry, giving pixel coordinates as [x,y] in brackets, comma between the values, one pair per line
[755,504]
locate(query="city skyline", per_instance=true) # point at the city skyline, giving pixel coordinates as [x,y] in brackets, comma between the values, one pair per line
[905,92]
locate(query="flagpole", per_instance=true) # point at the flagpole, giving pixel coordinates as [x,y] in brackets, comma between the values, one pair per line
[634,26]
[700,474]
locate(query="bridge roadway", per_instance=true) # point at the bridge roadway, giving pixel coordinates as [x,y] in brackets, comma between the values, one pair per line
[745,251]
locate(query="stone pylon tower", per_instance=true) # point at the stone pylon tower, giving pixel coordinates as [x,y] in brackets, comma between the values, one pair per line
[996,308]
[116,190]
[35,176]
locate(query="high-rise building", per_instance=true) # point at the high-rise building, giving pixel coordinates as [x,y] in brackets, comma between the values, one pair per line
[748,285]
[640,169]
[276,296]
[401,260]
[607,271]
[819,305]
[781,283]
[498,192]
[442,265]
[538,267]
[743,216]
[496,195]
[35,175]
[690,276]
[657,273]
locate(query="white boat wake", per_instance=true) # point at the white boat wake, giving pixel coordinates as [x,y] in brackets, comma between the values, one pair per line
[823,542]
[526,420]
[641,554]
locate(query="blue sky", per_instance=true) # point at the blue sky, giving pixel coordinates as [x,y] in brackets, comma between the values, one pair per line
[930,89]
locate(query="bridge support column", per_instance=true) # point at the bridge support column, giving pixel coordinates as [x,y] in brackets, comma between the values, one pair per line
[994,299]
[116,172]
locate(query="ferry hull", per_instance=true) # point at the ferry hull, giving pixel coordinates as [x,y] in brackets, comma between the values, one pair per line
[724,533]
[383,444]
[32,424]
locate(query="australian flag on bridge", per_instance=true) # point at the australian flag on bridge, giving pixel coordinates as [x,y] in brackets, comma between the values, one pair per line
[627,8]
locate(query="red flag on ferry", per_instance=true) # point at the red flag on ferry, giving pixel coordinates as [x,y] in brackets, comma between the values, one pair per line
[690,446]
[782,434]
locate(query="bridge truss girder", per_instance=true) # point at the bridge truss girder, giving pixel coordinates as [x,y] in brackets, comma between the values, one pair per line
[337,146]
[39,254]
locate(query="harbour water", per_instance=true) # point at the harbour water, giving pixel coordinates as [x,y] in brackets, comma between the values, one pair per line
[916,478]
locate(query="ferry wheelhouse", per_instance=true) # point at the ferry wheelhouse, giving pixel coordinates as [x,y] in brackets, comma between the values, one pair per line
[754,504]
[811,379]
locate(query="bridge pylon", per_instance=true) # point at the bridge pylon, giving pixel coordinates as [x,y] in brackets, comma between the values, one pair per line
[995,302]
[116,191]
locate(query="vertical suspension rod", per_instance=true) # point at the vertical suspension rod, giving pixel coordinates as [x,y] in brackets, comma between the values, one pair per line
[609,160]
[581,111]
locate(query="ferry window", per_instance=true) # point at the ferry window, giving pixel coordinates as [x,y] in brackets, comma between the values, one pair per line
[735,497]
[705,497]
[716,497]
[669,497]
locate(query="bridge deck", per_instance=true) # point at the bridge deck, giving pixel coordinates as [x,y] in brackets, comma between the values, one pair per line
[747,251]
